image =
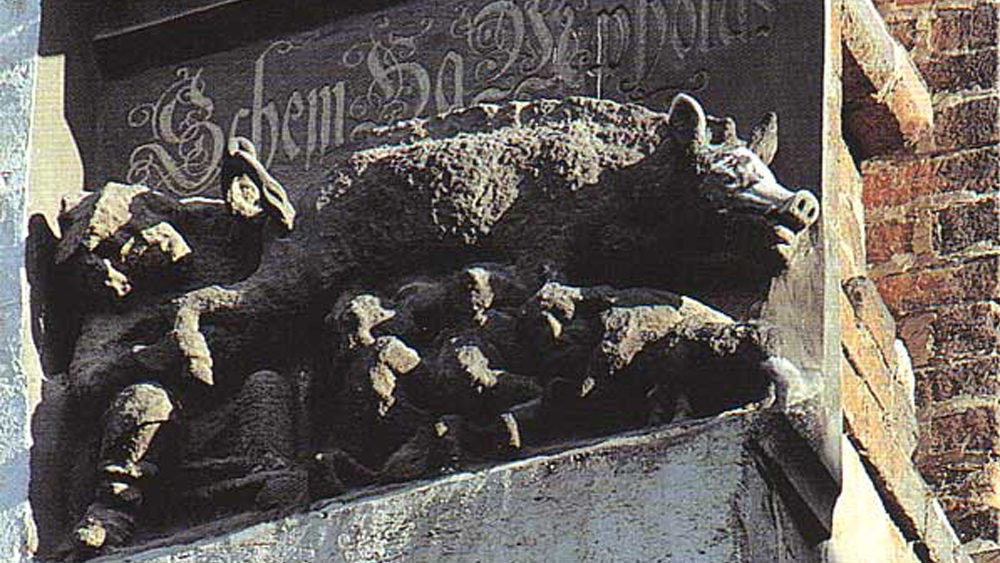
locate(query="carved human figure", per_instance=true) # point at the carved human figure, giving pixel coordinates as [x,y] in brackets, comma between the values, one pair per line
[155,443]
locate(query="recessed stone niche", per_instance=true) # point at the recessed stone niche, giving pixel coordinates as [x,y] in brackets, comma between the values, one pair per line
[501,281]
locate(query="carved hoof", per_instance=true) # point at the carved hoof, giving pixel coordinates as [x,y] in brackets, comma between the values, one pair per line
[790,387]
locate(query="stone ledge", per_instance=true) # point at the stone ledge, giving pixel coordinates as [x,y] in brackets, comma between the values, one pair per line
[698,491]
[909,500]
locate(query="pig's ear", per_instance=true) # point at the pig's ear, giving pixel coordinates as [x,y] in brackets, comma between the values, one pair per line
[687,120]
[764,138]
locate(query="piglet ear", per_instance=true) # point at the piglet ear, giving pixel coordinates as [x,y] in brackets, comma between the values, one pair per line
[764,138]
[687,120]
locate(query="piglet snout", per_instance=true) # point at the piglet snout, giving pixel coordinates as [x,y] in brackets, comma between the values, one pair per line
[800,211]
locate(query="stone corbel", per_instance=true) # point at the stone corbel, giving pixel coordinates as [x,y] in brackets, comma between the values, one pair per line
[887,106]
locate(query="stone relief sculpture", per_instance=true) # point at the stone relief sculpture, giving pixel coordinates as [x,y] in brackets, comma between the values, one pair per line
[462,288]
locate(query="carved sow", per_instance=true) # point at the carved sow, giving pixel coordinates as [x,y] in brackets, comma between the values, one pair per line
[581,191]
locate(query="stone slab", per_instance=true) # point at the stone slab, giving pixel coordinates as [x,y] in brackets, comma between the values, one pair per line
[19,27]
[687,493]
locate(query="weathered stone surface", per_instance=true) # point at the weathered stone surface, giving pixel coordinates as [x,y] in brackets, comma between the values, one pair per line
[462,361]
[891,396]
[353,244]
[20,24]
[860,513]
[124,239]
[908,498]
[312,89]
[689,493]
[871,312]
[904,373]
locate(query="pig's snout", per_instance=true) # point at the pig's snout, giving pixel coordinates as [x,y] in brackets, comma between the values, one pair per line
[799,212]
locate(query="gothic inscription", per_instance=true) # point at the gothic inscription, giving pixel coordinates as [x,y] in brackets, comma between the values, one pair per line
[299,97]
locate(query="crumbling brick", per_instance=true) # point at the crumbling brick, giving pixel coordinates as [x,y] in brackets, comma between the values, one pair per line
[969,122]
[965,28]
[962,226]
[976,377]
[972,281]
[971,433]
[886,239]
[899,181]
[976,70]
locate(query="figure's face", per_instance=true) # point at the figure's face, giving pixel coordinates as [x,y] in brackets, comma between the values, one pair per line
[737,182]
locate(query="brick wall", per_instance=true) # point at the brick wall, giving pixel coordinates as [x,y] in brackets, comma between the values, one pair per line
[933,249]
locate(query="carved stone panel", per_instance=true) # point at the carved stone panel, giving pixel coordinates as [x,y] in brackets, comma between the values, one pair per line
[434,236]
[299,96]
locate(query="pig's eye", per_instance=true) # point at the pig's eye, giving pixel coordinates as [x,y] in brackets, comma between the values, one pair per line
[728,178]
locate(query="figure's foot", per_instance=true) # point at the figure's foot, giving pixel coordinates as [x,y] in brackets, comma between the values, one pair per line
[101,528]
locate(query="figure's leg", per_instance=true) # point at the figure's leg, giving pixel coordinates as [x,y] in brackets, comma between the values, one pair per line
[135,427]
[266,438]
[253,464]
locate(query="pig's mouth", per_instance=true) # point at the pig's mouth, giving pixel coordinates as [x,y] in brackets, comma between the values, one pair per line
[785,243]
[778,222]
[763,238]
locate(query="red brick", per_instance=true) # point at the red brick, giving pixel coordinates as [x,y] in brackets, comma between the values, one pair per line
[972,434]
[885,239]
[966,491]
[979,377]
[905,31]
[972,519]
[976,70]
[915,330]
[964,28]
[964,332]
[950,334]
[895,182]
[962,226]
[971,281]
[971,122]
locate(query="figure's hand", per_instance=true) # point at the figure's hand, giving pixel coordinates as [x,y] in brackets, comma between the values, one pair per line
[196,358]
[242,170]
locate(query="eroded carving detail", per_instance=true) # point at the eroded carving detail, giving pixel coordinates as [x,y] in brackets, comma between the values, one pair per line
[464,288]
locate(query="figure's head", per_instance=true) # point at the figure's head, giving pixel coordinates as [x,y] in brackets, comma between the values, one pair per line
[734,187]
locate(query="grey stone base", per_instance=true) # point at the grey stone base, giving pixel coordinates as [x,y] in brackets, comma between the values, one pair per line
[695,492]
